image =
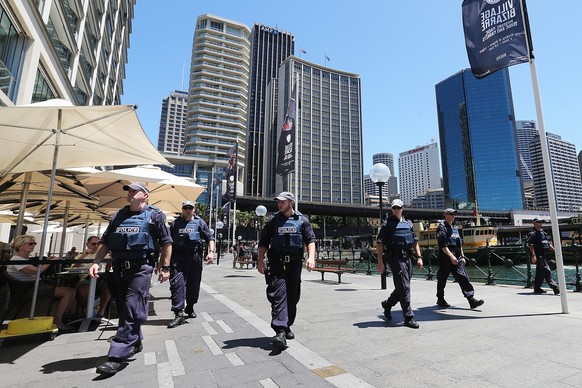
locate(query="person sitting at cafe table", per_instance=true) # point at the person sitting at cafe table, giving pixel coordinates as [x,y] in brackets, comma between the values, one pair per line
[84,282]
[26,273]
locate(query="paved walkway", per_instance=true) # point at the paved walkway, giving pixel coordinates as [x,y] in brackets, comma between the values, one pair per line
[515,339]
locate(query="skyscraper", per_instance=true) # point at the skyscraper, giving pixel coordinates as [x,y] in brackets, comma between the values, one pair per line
[269,47]
[72,50]
[218,95]
[173,123]
[329,126]
[419,170]
[478,142]
[565,170]
[390,189]
[526,131]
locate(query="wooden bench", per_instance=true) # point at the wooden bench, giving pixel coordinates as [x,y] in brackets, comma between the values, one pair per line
[334,266]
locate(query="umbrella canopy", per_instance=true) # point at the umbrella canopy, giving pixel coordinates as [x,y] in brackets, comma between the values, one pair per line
[167,191]
[85,136]
[54,134]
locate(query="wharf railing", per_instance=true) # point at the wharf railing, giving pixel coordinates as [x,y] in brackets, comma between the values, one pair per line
[489,265]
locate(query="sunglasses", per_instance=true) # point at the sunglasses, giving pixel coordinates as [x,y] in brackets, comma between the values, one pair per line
[31,243]
[187,208]
[396,208]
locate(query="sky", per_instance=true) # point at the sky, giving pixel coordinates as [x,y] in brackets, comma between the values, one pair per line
[401,50]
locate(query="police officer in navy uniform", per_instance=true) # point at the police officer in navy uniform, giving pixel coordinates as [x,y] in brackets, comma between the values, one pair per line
[133,235]
[285,236]
[452,260]
[188,231]
[397,243]
[539,248]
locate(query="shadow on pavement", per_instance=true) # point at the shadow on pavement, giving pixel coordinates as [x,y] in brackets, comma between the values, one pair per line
[71,365]
[257,342]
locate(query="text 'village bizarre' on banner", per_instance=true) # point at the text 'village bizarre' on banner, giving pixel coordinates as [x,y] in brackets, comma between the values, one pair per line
[496,34]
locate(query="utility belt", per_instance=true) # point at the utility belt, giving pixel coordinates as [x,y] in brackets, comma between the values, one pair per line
[187,248]
[129,264]
[398,252]
[284,258]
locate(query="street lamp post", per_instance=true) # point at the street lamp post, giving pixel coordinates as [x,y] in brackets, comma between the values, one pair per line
[219,226]
[379,174]
[260,211]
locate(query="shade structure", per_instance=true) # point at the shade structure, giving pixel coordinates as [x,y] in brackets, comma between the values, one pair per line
[85,136]
[167,191]
[54,134]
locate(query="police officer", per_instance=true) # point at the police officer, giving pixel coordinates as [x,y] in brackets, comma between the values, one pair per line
[539,248]
[285,236]
[452,260]
[396,244]
[132,236]
[187,231]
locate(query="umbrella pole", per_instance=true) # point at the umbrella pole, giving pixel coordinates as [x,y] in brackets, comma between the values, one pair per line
[64,231]
[86,233]
[23,199]
[46,215]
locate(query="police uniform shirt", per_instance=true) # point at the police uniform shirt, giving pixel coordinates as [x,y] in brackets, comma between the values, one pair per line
[269,230]
[205,232]
[540,241]
[446,232]
[388,228]
[161,232]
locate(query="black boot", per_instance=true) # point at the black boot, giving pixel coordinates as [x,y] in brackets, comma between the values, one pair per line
[387,309]
[177,321]
[441,302]
[279,341]
[189,311]
[474,303]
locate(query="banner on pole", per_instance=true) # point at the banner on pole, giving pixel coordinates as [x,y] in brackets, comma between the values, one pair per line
[230,175]
[286,146]
[496,34]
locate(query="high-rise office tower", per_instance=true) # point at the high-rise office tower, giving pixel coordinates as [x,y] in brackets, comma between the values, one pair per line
[419,170]
[565,170]
[329,133]
[390,189]
[478,142]
[72,50]
[173,123]
[526,131]
[269,48]
[218,95]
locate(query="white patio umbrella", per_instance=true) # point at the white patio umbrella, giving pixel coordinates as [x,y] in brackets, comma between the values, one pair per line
[54,134]
[167,191]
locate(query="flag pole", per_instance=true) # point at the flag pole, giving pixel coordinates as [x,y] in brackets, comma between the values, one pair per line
[297,126]
[210,198]
[547,172]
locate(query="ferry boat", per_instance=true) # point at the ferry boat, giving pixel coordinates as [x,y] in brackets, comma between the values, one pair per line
[474,237]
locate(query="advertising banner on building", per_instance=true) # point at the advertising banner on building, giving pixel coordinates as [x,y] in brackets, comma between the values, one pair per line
[496,34]
[230,175]
[286,146]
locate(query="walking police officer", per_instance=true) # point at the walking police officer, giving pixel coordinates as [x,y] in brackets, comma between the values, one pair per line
[132,236]
[187,232]
[539,248]
[397,241]
[452,260]
[285,236]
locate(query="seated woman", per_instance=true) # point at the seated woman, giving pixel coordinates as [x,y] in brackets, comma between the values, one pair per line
[83,285]
[24,245]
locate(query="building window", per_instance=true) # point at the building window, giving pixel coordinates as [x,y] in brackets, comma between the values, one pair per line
[43,90]
[11,49]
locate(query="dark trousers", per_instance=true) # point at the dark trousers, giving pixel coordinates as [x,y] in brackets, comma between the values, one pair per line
[185,278]
[283,292]
[459,273]
[132,299]
[401,273]
[543,272]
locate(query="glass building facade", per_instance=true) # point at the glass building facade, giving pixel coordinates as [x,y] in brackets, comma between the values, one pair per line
[478,141]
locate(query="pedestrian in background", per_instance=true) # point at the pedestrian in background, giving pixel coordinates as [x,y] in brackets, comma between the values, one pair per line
[188,231]
[132,236]
[452,260]
[539,248]
[285,236]
[397,241]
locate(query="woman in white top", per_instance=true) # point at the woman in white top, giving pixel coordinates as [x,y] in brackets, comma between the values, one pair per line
[24,246]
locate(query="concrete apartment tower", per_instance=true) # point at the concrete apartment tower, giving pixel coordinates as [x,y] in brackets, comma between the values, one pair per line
[218,95]
[173,119]
[419,171]
[73,50]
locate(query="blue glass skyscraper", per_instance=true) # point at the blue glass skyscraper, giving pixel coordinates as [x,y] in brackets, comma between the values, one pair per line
[478,141]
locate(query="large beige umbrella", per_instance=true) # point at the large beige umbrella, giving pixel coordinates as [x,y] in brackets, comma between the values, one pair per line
[167,191]
[53,134]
